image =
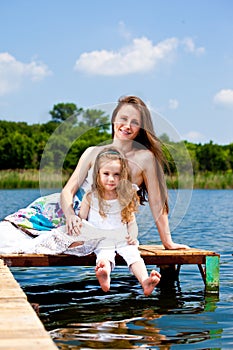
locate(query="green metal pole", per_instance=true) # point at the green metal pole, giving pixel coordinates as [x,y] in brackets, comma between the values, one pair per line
[212,273]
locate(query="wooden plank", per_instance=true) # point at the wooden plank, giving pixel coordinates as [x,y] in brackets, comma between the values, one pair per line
[152,255]
[20,327]
[26,344]
[90,260]
[161,251]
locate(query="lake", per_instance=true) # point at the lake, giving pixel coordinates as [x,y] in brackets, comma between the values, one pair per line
[178,315]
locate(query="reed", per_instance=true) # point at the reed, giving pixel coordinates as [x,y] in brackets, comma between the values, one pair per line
[31,178]
[207,180]
[214,180]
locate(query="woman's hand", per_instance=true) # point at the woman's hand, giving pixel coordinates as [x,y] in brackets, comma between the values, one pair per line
[174,246]
[73,224]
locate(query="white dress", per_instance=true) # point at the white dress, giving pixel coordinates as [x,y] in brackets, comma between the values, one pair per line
[114,233]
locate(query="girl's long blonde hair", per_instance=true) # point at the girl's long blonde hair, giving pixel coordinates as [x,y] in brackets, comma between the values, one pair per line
[126,193]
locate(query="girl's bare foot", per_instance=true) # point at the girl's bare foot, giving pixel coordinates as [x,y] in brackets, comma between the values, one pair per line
[149,284]
[102,272]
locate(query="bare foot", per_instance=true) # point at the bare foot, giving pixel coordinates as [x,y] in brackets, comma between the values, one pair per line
[102,272]
[149,284]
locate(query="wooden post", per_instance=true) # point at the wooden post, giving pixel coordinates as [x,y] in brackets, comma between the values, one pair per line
[169,273]
[212,274]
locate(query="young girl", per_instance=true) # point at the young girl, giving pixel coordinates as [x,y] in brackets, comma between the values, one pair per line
[110,206]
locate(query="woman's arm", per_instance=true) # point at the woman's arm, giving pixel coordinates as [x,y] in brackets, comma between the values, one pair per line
[70,189]
[156,205]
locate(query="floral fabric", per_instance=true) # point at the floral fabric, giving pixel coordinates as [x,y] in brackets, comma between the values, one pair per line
[44,214]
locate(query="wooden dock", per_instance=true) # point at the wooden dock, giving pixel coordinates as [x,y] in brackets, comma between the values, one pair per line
[207,261]
[20,327]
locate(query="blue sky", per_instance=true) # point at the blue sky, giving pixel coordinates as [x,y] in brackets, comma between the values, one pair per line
[177,55]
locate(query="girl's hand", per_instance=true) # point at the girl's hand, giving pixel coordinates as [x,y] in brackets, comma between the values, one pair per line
[131,240]
[73,225]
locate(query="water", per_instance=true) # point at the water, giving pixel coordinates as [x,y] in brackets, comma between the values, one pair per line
[178,315]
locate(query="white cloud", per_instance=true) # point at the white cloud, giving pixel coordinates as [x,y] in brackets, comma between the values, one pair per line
[141,56]
[12,72]
[124,32]
[138,57]
[194,136]
[173,103]
[191,47]
[224,97]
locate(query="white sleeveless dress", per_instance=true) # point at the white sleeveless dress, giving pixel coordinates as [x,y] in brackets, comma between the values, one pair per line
[114,233]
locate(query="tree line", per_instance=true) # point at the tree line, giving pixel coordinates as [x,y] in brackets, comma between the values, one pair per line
[60,142]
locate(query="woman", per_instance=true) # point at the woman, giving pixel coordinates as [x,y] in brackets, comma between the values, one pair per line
[133,134]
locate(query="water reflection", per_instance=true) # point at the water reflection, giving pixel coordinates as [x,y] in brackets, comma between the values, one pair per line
[128,334]
[116,335]
[79,315]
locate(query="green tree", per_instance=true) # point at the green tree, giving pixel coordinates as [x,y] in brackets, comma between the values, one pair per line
[178,157]
[17,151]
[65,112]
[96,118]
[192,149]
[213,158]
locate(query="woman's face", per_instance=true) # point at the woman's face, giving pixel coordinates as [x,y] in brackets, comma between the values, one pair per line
[127,123]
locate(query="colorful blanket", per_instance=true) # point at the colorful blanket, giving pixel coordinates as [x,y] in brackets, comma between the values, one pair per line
[44,214]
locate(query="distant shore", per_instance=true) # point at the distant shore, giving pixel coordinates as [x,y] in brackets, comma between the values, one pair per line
[31,178]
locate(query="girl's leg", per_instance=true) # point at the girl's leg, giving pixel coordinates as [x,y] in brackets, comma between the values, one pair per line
[105,263]
[131,255]
[102,271]
[148,283]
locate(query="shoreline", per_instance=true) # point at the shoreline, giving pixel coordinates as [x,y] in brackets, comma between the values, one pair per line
[32,178]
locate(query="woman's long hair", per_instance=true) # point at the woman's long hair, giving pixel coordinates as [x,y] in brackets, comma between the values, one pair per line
[126,193]
[146,139]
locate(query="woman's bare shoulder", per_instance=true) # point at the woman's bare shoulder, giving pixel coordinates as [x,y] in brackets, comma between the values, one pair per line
[144,155]
[91,152]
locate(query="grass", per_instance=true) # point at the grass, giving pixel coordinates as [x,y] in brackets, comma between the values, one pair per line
[31,178]
[207,180]
[214,180]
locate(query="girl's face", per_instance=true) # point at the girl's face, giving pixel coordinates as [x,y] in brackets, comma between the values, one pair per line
[109,174]
[127,123]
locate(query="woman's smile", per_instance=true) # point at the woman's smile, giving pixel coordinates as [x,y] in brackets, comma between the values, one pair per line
[127,123]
